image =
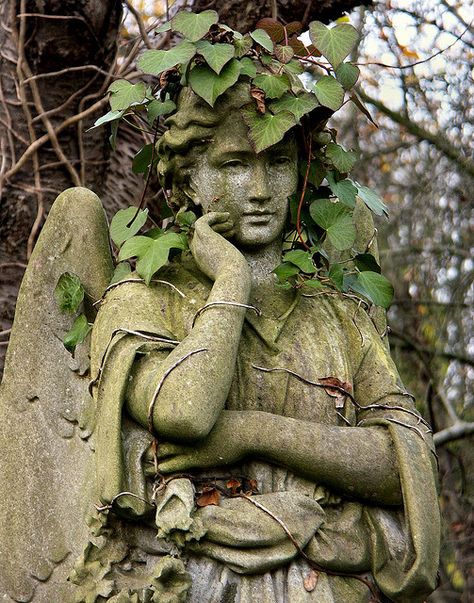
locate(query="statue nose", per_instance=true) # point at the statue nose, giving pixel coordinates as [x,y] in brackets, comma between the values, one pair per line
[261,185]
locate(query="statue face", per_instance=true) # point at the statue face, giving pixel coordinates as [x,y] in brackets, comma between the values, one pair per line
[229,176]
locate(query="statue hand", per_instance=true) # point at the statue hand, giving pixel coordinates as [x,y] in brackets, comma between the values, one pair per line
[224,445]
[212,252]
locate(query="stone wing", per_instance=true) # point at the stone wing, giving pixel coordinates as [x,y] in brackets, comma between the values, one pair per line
[46,414]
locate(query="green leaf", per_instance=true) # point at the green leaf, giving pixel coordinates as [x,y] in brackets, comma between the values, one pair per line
[334,43]
[298,105]
[142,159]
[273,85]
[294,67]
[186,218]
[314,283]
[274,29]
[121,230]
[347,75]
[329,92]
[284,53]
[336,274]
[114,125]
[300,258]
[69,292]
[336,220]
[341,159]
[366,261]
[77,333]
[344,190]
[261,37]
[317,171]
[372,200]
[122,270]
[152,254]
[247,67]
[108,117]
[155,62]
[194,26]
[123,94]
[157,108]
[163,28]
[242,45]
[374,287]
[216,55]
[208,85]
[266,130]
[286,270]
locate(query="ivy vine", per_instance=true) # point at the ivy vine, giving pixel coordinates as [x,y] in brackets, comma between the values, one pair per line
[289,83]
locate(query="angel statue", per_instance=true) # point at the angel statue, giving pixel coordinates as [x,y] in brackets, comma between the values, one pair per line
[233,441]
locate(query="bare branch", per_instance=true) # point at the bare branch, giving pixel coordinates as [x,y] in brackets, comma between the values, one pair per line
[460,429]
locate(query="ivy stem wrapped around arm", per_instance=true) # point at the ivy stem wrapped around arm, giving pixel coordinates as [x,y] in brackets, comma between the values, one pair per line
[193,387]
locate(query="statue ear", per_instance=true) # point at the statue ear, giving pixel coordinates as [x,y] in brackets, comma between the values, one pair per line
[190,192]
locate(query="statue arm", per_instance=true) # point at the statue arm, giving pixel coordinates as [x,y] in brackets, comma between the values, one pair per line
[358,462]
[195,378]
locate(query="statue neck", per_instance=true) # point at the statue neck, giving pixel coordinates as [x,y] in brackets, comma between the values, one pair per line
[262,261]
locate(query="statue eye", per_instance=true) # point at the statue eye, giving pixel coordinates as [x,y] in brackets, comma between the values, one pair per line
[233,163]
[281,160]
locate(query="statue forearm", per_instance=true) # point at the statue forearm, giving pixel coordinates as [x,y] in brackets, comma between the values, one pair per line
[193,392]
[358,462]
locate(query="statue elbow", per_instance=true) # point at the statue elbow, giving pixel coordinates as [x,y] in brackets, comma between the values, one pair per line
[183,427]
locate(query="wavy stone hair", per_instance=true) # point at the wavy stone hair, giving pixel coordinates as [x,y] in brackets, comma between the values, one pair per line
[190,131]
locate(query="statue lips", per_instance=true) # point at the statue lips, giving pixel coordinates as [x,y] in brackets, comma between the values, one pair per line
[258,216]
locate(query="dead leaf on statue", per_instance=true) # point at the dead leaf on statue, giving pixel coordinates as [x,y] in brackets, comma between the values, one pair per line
[259,96]
[310,580]
[334,392]
[209,496]
[234,485]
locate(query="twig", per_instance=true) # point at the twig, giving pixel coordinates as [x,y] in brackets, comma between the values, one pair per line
[300,204]
[68,70]
[460,429]
[410,65]
[140,23]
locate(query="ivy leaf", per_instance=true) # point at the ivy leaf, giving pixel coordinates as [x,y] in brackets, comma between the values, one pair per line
[341,159]
[242,45]
[121,230]
[77,333]
[266,130]
[336,274]
[157,108]
[285,270]
[69,292]
[329,92]
[163,28]
[152,253]
[208,85]
[360,105]
[261,37]
[294,67]
[155,62]
[374,287]
[297,105]
[347,75]
[284,53]
[216,55]
[344,190]
[314,283]
[372,200]
[108,117]
[247,67]
[334,43]
[142,159]
[273,85]
[123,94]
[122,270]
[300,258]
[194,26]
[336,221]
[274,29]
[366,261]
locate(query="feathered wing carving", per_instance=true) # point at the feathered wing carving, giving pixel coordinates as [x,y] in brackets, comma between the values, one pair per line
[46,415]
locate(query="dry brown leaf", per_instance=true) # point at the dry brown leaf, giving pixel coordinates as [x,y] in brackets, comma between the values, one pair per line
[234,485]
[310,580]
[259,96]
[274,29]
[334,392]
[209,496]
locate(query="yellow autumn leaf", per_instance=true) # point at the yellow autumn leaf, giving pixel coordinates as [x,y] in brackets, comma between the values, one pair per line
[343,19]
[411,54]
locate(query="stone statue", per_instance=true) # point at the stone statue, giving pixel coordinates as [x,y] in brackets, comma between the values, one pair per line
[211,383]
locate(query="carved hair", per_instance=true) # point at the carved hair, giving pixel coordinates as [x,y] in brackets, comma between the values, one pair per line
[190,131]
